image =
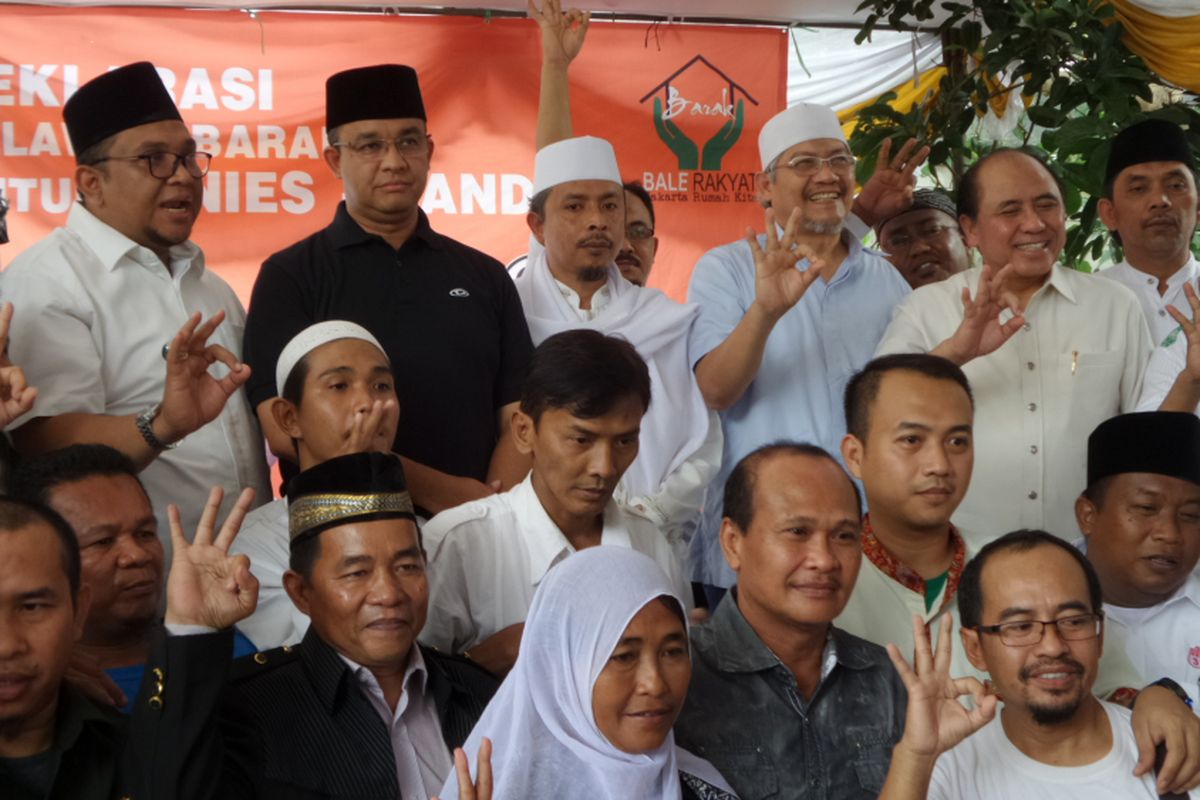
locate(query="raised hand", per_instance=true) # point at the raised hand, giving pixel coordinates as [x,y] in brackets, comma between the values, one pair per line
[778,285]
[725,138]
[16,398]
[1190,328]
[685,150]
[890,188]
[981,331]
[206,585]
[936,720]
[192,397]
[365,430]
[481,788]
[562,33]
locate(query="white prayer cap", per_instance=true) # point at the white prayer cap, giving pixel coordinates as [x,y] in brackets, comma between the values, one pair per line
[802,122]
[313,337]
[584,158]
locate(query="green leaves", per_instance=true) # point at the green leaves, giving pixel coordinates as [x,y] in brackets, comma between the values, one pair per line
[1066,57]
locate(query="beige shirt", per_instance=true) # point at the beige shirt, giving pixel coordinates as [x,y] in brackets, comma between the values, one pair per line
[1078,361]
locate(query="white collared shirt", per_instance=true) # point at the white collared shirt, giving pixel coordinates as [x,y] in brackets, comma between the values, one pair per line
[1166,362]
[1163,641]
[1078,361]
[601,298]
[93,313]
[422,760]
[1154,305]
[488,556]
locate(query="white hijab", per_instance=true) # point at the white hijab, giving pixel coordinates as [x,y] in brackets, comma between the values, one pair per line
[546,742]
[676,423]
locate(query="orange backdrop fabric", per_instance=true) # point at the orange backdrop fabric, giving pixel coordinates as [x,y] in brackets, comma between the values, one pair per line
[252,89]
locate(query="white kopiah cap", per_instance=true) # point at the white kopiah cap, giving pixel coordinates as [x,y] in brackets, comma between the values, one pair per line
[584,158]
[802,122]
[313,337]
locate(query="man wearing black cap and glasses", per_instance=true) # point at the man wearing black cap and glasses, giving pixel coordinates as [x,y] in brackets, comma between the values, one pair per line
[447,316]
[1150,206]
[110,308]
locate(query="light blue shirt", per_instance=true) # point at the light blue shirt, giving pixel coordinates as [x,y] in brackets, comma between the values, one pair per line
[810,355]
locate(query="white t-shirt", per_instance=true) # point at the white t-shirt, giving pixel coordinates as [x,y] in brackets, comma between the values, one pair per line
[987,765]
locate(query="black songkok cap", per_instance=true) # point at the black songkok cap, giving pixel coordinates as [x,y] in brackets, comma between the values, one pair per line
[1148,140]
[117,101]
[385,91]
[923,199]
[1160,442]
[354,488]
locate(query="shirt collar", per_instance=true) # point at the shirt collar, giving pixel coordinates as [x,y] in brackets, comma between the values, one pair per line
[1185,274]
[1060,282]
[416,674]
[110,245]
[905,575]
[345,232]
[600,298]
[547,544]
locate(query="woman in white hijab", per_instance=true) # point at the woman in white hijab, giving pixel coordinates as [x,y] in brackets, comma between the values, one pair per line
[602,673]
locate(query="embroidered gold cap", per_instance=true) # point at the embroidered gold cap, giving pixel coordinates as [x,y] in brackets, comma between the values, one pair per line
[356,488]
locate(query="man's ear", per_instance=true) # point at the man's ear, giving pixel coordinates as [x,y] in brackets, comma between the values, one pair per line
[731,543]
[297,589]
[286,416]
[524,431]
[89,183]
[968,229]
[1085,515]
[762,187]
[974,648]
[1108,213]
[537,226]
[852,453]
[333,157]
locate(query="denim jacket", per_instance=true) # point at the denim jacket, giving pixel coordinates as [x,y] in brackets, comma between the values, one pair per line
[745,714]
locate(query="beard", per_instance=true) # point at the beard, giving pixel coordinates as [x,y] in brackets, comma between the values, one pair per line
[593,274]
[1055,715]
[821,228]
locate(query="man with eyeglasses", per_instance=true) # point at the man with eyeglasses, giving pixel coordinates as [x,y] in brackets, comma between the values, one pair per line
[1031,618]
[447,315]
[787,318]
[925,243]
[109,309]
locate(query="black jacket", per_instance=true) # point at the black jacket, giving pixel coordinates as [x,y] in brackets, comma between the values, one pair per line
[293,724]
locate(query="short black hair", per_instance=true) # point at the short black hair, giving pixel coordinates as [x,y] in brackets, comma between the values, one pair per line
[863,389]
[17,515]
[968,184]
[637,190]
[293,385]
[304,553]
[332,134]
[36,478]
[89,155]
[970,591]
[739,486]
[537,203]
[1097,491]
[585,372]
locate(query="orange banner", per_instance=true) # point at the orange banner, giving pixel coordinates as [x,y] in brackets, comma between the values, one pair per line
[682,104]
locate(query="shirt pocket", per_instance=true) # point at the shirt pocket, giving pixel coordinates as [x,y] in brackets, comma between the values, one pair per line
[749,770]
[872,756]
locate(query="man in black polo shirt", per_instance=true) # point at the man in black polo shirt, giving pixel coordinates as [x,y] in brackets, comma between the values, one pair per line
[447,315]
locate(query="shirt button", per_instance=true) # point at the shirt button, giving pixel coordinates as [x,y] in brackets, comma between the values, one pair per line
[1033,406]
[1033,449]
[1029,365]
[1033,495]
[1162,312]
[1027,326]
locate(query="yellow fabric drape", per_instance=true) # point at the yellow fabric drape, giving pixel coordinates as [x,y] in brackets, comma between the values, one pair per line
[908,94]
[1169,45]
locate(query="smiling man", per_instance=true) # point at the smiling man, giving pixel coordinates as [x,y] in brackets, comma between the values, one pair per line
[1071,357]
[784,324]
[110,304]
[447,315]
[580,417]
[1140,516]
[924,243]
[1150,206]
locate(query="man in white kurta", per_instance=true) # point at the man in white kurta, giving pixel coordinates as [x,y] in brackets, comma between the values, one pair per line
[1042,380]
[1150,205]
[566,286]
[100,300]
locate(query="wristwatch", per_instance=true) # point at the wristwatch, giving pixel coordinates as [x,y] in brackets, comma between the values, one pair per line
[147,431]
